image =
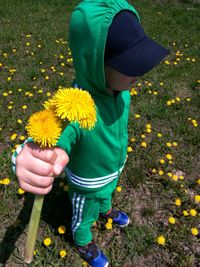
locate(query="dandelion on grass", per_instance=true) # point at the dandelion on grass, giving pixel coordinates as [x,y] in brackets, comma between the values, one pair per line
[185,213]
[108,225]
[194,231]
[47,241]
[197,198]
[193,212]
[21,191]
[118,189]
[129,149]
[172,220]
[61,229]
[143,144]
[5,181]
[63,253]
[161,240]
[178,202]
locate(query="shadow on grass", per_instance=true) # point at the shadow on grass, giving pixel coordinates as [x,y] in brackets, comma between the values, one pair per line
[56,211]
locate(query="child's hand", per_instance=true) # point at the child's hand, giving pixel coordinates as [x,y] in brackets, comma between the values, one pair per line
[36,167]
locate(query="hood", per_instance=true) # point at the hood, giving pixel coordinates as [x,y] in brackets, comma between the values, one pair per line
[88,30]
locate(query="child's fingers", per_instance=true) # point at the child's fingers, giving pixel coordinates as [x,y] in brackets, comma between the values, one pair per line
[35,183]
[36,190]
[33,165]
[61,161]
[44,154]
[38,180]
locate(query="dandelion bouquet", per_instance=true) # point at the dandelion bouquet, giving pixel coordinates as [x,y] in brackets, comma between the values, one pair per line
[45,127]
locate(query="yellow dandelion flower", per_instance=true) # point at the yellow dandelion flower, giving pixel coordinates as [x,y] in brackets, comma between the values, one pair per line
[133,139]
[185,213]
[21,191]
[19,121]
[24,107]
[172,220]
[108,226]
[13,137]
[119,189]
[193,212]
[161,172]
[66,188]
[174,177]
[168,156]
[197,198]
[74,105]
[47,241]
[181,177]
[63,253]
[143,136]
[61,229]
[169,103]
[148,130]
[161,240]
[194,231]
[5,181]
[168,144]
[129,149]
[137,116]
[148,126]
[154,170]
[84,264]
[178,202]
[61,184]
[44,127]
[162,161]
[198,181]
[110,220]
[22,138]
[144,144]
[159,135]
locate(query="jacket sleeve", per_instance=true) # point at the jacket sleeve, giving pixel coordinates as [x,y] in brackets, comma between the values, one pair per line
[69,137]
[17,151]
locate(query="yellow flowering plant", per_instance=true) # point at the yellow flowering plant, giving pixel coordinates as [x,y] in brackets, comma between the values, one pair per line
[45,128]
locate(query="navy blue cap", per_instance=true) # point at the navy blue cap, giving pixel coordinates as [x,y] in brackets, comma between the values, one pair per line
[128,49]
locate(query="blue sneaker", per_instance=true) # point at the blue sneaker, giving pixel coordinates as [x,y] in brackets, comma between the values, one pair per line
[93,255]
[119,218]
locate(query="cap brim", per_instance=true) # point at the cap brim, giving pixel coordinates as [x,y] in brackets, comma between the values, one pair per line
[139,59]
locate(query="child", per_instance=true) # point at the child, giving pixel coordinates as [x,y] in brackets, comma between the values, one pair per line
[110,50]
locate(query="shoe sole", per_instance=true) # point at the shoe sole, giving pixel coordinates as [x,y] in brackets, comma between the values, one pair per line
[122,226]
[104,265]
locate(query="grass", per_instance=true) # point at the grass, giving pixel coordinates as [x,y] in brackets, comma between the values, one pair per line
[34,38]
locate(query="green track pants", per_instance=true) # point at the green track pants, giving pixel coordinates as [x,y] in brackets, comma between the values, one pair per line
[85,213]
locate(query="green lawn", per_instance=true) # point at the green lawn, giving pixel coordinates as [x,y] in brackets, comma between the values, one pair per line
[161,178]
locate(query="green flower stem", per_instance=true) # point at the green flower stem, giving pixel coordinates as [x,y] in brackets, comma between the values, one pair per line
[33,228]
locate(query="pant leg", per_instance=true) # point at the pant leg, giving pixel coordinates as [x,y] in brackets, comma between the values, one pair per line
[85,213]
[105,204]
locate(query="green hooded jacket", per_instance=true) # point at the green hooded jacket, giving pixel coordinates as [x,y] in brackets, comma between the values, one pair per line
[97,156]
